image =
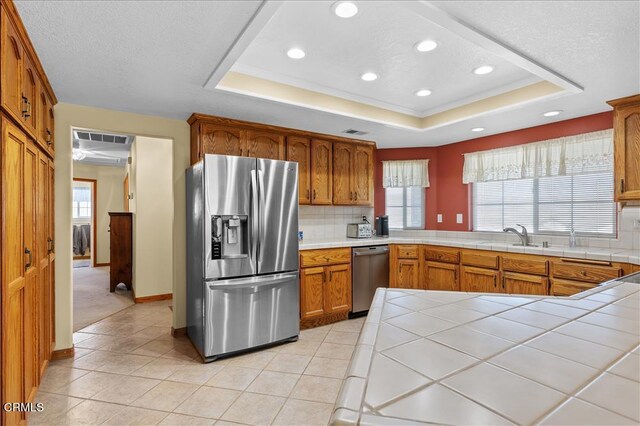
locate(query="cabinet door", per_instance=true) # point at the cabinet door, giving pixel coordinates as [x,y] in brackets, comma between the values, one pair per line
[13,270]
[342,164]
[337,294]
[311,292]
[44,245]
[299,150]
[480,280]
[408,273]
[51,301]
[50,132]
[30,93]
[11,68]
[264,145]
[561,287]
[441,276]
[627,152]
[362,175]
[321,170]
[524,284]
[220,140]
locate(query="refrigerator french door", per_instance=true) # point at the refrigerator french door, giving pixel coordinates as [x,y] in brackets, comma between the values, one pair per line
[242,254]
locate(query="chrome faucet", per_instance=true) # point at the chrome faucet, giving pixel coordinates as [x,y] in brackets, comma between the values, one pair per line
[524,236]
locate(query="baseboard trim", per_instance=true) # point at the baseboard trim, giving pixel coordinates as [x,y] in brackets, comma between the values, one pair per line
[177,332]
[81,257]
[323,320]
[63,353]
[102,264]
[154,298]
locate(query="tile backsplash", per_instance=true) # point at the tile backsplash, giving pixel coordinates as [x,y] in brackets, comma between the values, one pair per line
[330,222]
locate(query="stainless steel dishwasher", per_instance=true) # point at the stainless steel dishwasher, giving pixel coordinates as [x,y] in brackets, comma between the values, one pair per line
[370,271]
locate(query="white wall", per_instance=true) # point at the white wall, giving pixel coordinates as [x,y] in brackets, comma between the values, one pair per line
[68,116]
[110,196]
[152,189]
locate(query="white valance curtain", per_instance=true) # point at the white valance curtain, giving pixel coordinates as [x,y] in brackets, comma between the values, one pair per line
[400,174]
[588,152]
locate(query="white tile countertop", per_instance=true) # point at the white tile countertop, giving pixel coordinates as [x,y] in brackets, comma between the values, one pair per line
[473,358]
[593,253]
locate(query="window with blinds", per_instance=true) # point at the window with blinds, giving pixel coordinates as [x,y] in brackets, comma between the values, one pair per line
[548,205]
[405,207]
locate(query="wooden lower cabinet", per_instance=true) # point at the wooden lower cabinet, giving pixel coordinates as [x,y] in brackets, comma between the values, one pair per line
[480,280]
[408,274]
[325,288]
[441,276]
[514,283]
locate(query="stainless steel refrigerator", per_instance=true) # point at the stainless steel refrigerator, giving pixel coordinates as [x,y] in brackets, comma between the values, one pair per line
[242,254]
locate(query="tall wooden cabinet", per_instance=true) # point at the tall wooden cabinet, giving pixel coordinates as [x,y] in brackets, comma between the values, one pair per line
[626,147]
[26,217]
[121,254]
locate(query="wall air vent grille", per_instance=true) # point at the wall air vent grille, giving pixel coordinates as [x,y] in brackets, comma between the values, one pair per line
[354,132]
[102,137]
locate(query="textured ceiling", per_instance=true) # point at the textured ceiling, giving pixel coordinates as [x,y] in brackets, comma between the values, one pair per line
[154,58]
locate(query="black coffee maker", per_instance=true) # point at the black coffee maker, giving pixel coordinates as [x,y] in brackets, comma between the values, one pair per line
[382,226]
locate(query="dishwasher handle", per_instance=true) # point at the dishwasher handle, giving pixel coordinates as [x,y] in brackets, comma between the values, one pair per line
[370,251]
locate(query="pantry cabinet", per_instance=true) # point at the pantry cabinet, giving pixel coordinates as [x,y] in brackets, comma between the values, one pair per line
[26,217]
[626,148]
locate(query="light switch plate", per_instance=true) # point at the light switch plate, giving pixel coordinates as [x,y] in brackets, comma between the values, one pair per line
[636,223]
[459,218]
[439,218]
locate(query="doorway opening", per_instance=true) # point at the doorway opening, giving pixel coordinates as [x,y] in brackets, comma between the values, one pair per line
[83,214]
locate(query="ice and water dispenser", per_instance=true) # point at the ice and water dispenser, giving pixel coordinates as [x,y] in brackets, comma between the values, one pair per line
[229,236]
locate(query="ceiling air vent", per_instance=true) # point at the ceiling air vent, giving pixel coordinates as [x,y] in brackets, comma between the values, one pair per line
[102,137]
[354,132]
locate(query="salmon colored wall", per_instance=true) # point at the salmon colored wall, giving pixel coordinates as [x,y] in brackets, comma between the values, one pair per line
[447,194]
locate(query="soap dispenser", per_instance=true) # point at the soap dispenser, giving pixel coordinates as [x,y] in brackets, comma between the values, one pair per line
[572,238]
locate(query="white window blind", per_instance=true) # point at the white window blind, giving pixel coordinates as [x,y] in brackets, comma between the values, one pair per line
[81,202]
[548,205]
[405,207]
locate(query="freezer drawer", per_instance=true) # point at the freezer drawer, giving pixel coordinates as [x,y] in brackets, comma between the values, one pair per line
[248,312]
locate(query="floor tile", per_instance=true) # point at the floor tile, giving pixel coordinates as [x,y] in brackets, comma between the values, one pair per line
[583,351]
[505,329]
[289,363]
[542,367]
[174,419]
[342,337]
[317,334]
[296,412]
[136,416]
[96,342]
[421,324]
[389,380]
[519,399]
[353,325]
[159,368]
[628,367]
[125,344]
[236,378]
[56,377]
[605,336]
[154,348]
[55,405]
[125,389]
[439,405]
[614,393]
[197,374]
[254,409]
[335,351]
[430,358]
[327,367]
[257,360]
[166,396]
[579,413]
[472,342]
[274,383]
[123,363]
[208,402]
[90,384]
[301,347]
[92,412]
[314,388]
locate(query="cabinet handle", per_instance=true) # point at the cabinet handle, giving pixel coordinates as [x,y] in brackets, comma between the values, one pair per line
[621,185]
[25,106]
[495,280]
[314,194]
[48,140]
[355,194]
[330,276]
[50,244]
[455,275]
[503,283]
[351,195]
[27,251]
[308,195]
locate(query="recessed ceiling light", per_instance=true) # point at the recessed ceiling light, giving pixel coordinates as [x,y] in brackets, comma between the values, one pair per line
[345,9]
[552,113]
[369,76]
[426,45]
[477,129]
[485,69]
[295,53]
[423,92]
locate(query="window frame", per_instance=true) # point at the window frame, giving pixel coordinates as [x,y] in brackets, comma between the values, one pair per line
[404,207]
[536,205]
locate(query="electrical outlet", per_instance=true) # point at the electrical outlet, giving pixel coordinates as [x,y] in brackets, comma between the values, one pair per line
[636,224]
[439,218]
[459,218]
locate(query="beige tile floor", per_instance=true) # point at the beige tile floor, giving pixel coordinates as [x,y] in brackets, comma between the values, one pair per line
[128,369]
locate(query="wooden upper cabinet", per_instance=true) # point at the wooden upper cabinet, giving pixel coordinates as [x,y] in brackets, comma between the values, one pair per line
[626,147]
[11,68]
[362,175]
[262,144]
[299,150]
[220,140]
[342,166]
[321,172]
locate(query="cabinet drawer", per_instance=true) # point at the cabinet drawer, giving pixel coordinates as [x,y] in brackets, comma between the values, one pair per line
[588,272]
[483,260]
[407,251]
[323,257]
[561,287]
[525,264]
[442,254]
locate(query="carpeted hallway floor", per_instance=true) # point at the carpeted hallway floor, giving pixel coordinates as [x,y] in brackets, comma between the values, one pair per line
[91,298]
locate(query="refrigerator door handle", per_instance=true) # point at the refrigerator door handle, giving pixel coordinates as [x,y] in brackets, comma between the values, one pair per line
[252,281]
[261,226]
[255,217]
